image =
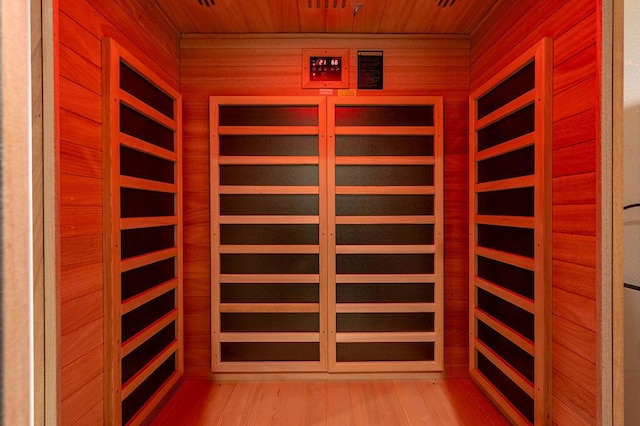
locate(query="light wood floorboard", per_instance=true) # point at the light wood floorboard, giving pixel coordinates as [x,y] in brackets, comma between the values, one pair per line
[332,403]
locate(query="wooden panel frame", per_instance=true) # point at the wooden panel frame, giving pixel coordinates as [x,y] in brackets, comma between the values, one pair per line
[540,390]
[437,248]
[327,278]
[115,308]
[217,337]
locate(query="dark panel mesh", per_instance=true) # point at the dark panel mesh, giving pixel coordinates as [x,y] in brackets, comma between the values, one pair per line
[140,279]
[269,322]
[384,175]
[384,115]
[269,293]
[364,145]
[139,126]
[370,322]
[509,352]
[134,402]
[518,241]
[269,264]
[269,175]
[511,277]
[409,351]
[143,354]
[137,320]
[384,234]
[138,86]
[510,165]
[269,234]
[143,203]
[509,202]
[268,115]
[384,205]
[385,264]
[260,145]
[515,86]
[510,315]
[523,402]
[385,293]
[269,205]
[510,127]
[140,241]
[145,166]
[270,351]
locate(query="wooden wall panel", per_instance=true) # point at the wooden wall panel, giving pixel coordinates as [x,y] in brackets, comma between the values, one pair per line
[414,65]
[507,31]
[82,24]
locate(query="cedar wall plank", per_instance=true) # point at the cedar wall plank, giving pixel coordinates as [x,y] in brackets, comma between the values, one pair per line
[108,19]
[82,101]
[74,375]
[76,221]
[420,65]
[82,191]
[510,29]
[564,219]
[576,308]
[535,19]
[568,385]
[149,36]
[94,416]
[575,69]
[79,130]
[574,337]
[575,129]
[79,251]
[563,415]
[80,403]
[76,38]
[576,189]
[575,278]
[76,160]
[80,70]
[79,342]
[80,281]
[81,311]
[574,160]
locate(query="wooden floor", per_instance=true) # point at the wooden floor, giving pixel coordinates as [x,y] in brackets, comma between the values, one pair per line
[311,403]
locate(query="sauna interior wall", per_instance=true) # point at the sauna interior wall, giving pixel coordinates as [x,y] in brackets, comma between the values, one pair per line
[271,65]
[507,31]
[145,32]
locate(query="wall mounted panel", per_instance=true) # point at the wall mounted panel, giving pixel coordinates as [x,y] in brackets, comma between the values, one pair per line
[510,245]
[143,237]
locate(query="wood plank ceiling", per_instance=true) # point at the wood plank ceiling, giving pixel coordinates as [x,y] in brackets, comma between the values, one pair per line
[326,16]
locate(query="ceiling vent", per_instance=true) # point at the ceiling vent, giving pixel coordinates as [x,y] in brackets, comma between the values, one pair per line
[207,3]
[445,3]
[319,3]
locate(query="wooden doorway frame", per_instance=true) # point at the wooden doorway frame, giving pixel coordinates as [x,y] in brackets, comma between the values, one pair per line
[49,8]
[46,271]
[612,304]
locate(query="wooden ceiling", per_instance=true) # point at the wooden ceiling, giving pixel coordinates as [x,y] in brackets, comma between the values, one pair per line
[320,16]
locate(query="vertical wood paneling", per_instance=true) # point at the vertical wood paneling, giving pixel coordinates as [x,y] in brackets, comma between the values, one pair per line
[82,24]
[508,30]
[421,65]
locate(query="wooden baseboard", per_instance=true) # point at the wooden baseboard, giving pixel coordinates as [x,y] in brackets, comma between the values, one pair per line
[453,372]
